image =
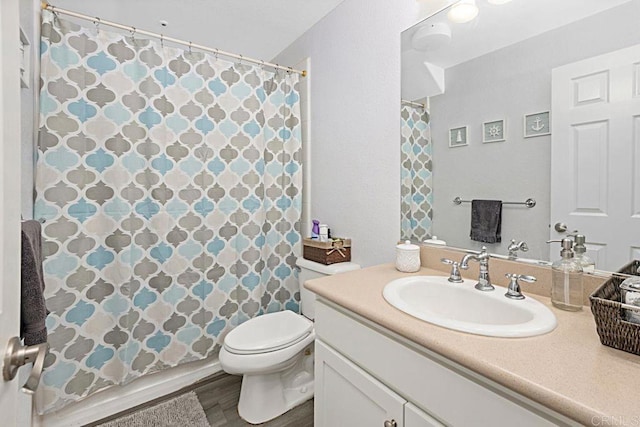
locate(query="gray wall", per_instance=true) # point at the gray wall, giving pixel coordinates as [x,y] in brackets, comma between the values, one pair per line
[355,122]
[507,84]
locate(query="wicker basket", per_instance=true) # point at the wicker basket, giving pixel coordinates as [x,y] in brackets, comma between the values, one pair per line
[631,268]
[609,314]
[327,253]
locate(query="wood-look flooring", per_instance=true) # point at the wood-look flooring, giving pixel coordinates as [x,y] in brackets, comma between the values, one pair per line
[219,396]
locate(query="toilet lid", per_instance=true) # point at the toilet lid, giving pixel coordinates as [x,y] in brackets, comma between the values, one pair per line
[269,332]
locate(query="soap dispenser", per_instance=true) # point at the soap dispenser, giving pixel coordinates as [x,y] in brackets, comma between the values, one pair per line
[566,279]
[588,265]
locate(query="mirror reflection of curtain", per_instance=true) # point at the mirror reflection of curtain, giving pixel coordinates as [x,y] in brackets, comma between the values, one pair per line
[416,177]
[170,182]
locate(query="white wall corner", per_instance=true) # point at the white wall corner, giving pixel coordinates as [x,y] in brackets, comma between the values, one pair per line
[436,77]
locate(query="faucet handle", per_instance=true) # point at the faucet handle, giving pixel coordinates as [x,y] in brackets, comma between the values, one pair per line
[454,276]
[526,278]
[513,291]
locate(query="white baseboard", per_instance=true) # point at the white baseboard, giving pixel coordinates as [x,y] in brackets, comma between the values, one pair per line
[119,398]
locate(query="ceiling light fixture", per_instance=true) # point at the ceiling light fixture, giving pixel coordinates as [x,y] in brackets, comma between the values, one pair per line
[431,37]
[463,11]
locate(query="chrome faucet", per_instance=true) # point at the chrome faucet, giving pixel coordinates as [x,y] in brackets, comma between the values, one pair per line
[515,247]
[484,281]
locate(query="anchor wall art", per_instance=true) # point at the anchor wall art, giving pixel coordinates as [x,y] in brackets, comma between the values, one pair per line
[537,124]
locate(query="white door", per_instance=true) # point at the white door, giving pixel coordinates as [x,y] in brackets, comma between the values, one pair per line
[345,395]
[13,406]
[595,155]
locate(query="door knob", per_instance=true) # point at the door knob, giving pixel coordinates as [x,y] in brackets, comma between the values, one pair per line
[18,355]
[390,423]
[561,227]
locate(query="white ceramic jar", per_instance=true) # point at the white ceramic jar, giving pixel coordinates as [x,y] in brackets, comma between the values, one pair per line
[407,257]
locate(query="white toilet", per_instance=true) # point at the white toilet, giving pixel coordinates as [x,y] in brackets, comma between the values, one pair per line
[274,353]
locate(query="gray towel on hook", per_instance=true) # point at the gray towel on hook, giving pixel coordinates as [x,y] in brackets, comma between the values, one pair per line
[33,309]
[486,221]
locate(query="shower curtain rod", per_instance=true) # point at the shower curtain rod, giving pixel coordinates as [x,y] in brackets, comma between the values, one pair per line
[162,37]
[414,104]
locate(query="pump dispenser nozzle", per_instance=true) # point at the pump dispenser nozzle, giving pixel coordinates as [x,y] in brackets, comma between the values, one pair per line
[580,249]
[567,247]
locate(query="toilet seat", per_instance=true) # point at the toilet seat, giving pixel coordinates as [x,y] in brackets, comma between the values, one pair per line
[267,333]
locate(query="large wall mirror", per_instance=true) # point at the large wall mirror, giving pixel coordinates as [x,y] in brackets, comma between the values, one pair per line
[525,100]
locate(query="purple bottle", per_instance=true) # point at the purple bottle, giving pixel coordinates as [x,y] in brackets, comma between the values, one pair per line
[315,230]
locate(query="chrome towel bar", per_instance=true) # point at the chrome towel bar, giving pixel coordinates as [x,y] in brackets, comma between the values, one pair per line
[528,203]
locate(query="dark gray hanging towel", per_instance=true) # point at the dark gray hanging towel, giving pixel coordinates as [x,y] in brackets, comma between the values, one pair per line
[33,309]
[486,221]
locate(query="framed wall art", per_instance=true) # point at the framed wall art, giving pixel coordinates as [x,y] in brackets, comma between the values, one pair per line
[537,124]
[493,131]
[458,136]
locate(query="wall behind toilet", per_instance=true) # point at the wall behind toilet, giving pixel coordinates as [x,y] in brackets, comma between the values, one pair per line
[355,124]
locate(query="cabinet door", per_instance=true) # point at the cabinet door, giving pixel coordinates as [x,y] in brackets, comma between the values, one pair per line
[415,417]
[347,396]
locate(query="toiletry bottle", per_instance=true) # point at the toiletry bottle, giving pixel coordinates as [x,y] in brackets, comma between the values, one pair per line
[324,233]
[566,279]
[315,230]
[630,294]
[588,265]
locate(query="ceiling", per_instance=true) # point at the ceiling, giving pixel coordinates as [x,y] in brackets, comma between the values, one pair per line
[498,26]
[259,29]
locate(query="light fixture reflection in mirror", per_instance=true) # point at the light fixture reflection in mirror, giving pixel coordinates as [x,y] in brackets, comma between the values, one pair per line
[432,37]
[463,12]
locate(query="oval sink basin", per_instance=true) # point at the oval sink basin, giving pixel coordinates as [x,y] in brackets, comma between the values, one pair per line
[461,307]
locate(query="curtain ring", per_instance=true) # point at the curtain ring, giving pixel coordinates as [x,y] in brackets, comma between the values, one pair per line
[290,70]
[162,40]
[216,54]
[133,33]
[190,47]
[240,61]
[97,22]
[262,64]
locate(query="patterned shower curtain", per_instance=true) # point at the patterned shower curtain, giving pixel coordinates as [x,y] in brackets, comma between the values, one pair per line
[415,174]
[170,183]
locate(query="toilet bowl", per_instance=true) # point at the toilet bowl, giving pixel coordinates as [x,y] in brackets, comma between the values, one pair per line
[274,353]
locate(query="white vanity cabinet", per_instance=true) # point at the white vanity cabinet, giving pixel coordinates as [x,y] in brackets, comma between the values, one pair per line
[345,395]
[366,375]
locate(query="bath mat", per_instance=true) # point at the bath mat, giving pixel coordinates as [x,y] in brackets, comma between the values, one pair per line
[182,411]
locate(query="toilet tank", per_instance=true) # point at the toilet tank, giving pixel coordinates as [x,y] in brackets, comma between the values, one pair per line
[313,270]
